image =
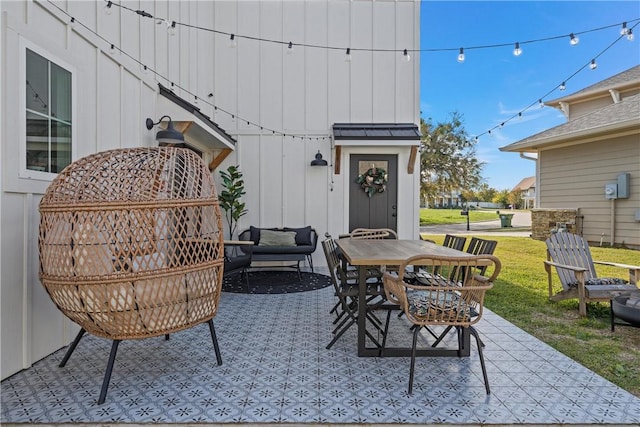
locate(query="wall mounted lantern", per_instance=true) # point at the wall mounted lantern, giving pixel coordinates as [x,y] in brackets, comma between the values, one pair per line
[168,136]
[319,161]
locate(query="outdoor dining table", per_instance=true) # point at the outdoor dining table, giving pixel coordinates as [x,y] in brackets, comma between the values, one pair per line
[391,252]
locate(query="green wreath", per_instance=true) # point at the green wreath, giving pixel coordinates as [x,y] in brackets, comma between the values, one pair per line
[374,180]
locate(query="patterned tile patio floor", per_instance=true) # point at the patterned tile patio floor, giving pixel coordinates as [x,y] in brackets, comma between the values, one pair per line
[276,370]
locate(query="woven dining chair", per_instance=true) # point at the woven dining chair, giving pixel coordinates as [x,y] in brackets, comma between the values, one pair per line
[442,303]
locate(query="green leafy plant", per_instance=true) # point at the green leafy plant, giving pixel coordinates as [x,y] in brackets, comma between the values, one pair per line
[229,198]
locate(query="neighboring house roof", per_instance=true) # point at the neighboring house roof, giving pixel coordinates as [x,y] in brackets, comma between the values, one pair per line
[525,184]
[623,116]
[628,77]
[376,131]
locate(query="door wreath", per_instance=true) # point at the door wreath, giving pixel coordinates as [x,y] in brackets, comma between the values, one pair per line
[373,180]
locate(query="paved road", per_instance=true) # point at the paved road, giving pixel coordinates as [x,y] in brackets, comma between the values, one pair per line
[521,226]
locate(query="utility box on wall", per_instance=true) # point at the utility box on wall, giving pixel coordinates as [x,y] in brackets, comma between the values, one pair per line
[611,190]
[623,185]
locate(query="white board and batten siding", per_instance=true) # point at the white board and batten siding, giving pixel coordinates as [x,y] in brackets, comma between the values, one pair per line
[568,180]
[302,93]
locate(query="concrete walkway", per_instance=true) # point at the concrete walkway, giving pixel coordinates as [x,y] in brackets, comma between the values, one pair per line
[520,226]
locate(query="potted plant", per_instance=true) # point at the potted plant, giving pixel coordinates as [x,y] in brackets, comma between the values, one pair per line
[229,198]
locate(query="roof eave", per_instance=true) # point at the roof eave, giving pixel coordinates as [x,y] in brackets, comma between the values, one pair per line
[626,127]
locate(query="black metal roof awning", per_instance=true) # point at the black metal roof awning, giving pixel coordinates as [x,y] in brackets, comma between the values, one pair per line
[376,131]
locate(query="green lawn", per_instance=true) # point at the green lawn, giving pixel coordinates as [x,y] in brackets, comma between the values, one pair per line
[520,296]
[452,216]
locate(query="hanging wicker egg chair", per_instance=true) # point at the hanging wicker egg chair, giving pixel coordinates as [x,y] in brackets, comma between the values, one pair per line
[131,244]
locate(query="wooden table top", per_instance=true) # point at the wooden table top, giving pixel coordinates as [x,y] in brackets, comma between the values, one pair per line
[391,251]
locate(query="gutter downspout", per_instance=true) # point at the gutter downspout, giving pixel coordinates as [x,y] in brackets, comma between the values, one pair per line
[535,159]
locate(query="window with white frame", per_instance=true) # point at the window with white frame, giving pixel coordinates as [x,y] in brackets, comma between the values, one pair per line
[48,114]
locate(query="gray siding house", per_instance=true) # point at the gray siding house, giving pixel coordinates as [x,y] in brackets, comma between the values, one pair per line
[590,165]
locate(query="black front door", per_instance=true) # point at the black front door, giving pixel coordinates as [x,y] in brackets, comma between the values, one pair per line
[380,209]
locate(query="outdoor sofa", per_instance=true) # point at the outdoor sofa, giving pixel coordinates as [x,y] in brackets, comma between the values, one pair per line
[282,244]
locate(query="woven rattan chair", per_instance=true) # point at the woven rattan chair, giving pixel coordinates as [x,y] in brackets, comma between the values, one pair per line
[131,245]
[442,303]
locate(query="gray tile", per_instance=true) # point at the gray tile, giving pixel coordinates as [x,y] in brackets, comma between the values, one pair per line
[277,370]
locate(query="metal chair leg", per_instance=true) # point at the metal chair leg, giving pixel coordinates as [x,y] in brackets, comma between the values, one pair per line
[107,374]
[416,331]
[72,347]
[484,368]
[215,342]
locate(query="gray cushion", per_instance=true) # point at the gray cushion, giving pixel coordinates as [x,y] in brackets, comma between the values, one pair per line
[277,238]
[303,235]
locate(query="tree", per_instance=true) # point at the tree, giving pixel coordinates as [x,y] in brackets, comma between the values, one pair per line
[486,193]
[229,198]
[502,198]
[448,160]
[515,199]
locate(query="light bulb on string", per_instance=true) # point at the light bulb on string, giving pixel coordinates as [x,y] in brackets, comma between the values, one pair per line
[461,55]
[630,35]
[540,103]
[574,40]
[562,86]
[593,64]
[347,57]
[520,115]
[623,31]
[112,49]
[517,51]
[72,22]
[107,8]
[171,29]
[290,48]
[232,40]
[405,56]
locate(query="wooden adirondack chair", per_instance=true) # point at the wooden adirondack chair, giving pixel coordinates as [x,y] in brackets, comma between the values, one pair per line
[571,257]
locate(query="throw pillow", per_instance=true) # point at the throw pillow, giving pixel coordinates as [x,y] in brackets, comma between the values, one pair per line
[303,235]
[254,234]
[277,238]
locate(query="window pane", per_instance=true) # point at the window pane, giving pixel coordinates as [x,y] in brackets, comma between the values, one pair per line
[60,93]
[60,145]
[37,83]
[37,142]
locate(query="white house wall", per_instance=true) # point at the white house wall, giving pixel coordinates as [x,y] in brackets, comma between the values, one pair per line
[303,93]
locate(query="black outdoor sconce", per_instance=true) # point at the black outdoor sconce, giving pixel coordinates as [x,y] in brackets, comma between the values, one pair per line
[319,161]
[169,136]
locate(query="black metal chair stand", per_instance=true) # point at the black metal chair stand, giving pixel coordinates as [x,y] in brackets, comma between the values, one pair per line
[114,350]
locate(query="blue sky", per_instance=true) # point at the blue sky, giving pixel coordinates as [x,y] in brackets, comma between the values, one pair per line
[492,84]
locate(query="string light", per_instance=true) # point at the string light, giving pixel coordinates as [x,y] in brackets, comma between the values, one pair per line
[232,40]
[112,49]
[405,56]
[172,28]
[461,55]
[517,51]
[210,95]
[574,40]
[624,30]
[290,48]
[593,64]
[347,57]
